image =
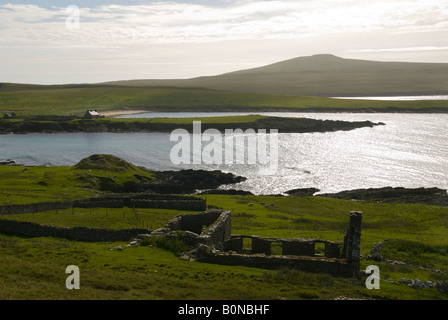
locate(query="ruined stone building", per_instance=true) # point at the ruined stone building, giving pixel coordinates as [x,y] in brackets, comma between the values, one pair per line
[210,233]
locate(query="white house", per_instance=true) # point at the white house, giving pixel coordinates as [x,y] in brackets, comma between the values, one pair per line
[92,114]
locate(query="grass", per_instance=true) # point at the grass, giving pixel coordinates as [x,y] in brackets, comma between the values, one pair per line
[323,75]
[327,218]
[118,274]
[100,218]
[34,268]
[211,120]
[75,100]
[173,245]
[40,183]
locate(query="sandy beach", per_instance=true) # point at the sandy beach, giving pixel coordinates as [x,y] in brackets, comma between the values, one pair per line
[117,113]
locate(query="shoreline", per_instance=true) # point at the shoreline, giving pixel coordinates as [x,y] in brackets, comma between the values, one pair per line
[117,113]
[428,110]
[282,124]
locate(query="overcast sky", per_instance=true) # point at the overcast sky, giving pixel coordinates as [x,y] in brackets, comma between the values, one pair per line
[142,39]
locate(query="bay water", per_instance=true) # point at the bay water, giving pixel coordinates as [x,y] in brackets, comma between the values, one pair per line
[411,150]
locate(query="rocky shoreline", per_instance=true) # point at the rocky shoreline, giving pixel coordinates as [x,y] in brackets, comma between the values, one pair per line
[202,182]
[429,196]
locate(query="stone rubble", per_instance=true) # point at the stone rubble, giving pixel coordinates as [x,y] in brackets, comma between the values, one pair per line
[441,286]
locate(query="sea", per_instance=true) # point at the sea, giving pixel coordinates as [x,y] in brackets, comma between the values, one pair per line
[410,150]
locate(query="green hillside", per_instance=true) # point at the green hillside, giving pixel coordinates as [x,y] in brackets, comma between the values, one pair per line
[324,75]
[300,84]
[76,99]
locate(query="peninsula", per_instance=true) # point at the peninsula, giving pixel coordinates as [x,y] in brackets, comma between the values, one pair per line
[54,124]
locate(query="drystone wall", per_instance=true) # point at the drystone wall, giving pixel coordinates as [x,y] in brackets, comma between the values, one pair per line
[295,247]
[194,222]
[335,267]
[218,232]
[31,229]
[34,207]
[176,202]
[210,227]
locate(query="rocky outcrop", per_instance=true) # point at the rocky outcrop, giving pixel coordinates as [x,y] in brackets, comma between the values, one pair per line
[431,196]
[375,252]
[189,181]
[232,192]
[7,162]
[145,180]
[441,286]
[302,192]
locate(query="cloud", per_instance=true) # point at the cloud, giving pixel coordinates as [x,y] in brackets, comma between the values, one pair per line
[408,49]
[117,37]
[167,22]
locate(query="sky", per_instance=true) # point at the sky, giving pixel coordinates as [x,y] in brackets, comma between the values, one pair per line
[68,41]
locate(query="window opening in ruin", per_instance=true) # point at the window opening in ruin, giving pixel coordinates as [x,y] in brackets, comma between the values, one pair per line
[319,248]
[276,248]
[247,245]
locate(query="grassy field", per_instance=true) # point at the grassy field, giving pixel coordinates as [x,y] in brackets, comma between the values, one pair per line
[415,234]
[34,268]
[66,100]
[100,218]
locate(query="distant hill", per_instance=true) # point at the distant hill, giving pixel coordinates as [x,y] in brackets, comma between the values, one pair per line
[323,75]
[298,84]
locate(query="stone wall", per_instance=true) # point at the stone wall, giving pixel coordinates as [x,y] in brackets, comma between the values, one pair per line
[31,229]
[177,202]
[352,241]
[218,232]
[194,222]
[34,207]
[210,232]
[335,267]
[298,247]
[234,243]
[188,205]
[295,247]
[261,245]
[211,227]
[333,249]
